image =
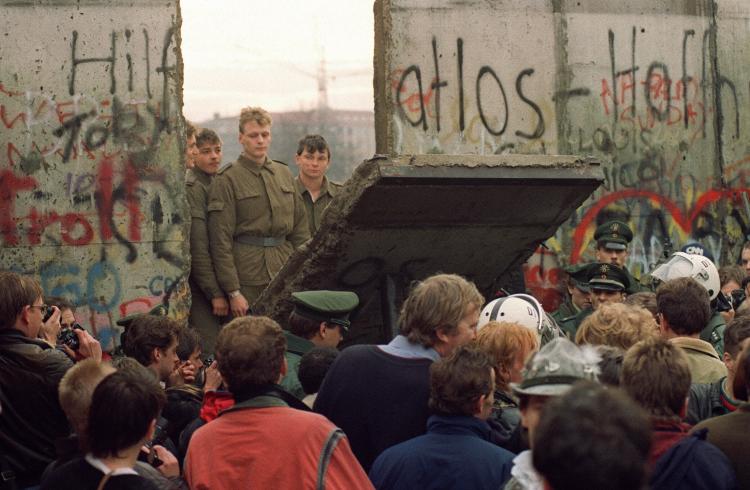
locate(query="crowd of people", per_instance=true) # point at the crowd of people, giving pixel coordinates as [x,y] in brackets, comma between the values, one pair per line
[629,385]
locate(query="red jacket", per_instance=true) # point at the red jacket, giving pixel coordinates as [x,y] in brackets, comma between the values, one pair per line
[269,445]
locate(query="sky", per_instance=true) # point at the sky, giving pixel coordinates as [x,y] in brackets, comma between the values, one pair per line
[267,53]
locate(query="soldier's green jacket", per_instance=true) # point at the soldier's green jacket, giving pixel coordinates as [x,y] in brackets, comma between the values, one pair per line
[570,324]
[634,285]
[201,269]
[259,201]
[315,209]
[296,347]
[566,309]
[713,332]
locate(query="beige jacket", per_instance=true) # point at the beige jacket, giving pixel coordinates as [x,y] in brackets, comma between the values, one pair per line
[703,361]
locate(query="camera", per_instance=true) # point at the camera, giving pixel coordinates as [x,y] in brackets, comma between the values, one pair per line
[48,315]
[736,297]
[67,336]
[160,438]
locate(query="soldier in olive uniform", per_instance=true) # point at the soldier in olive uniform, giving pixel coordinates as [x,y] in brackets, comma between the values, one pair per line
[612,239]
[208,301]
[608,284]
[191,149]
[313,158]
[319,319]
[255,217]
[578,293]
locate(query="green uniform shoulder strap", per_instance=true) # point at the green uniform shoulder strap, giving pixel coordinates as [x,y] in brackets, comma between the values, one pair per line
[225,168]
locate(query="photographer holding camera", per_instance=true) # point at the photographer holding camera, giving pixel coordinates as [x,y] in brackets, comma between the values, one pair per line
[30,371]
[66,338]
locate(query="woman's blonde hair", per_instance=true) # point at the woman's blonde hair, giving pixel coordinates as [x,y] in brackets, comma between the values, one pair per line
[618,325]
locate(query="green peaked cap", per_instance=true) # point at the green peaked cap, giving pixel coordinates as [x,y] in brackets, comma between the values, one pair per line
[613,234]
[326,306]
[608,277]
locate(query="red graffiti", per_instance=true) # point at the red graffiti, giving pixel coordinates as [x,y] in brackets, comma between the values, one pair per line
[542,276]
[139,305]
[133,203]
[10,122]
[105,183]
[76,228]
[10,186]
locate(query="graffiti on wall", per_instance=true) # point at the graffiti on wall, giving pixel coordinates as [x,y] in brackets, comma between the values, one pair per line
[89,172]
[662,103]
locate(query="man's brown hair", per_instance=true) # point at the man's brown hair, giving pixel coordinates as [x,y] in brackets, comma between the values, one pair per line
[735,334]
[76,389]
[254,114]
[250,352]
[617,325]
[644,299]
[190,129]
[503,342]
[438,302]
[313,143]
[734,273]
[741,384]
[207,137]
[655,374]
[16,292]
[147,332]
[123,406]
[684,304]
[457,381]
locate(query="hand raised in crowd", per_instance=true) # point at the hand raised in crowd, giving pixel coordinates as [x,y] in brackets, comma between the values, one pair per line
[187,371]
[51,328]
[170,467]
[213,377]
[89,347]
[239,305]
[220,306]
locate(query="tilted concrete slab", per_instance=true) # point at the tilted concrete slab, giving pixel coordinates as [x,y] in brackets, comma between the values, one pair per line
[403,219]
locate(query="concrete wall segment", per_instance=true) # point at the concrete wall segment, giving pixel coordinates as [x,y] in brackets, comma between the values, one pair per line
[403,219]
[659,90]
[91,171]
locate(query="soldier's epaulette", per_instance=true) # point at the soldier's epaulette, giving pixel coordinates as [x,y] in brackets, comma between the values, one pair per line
[225,168]
[283,163]
[335,184]
[567,319]
[190,178]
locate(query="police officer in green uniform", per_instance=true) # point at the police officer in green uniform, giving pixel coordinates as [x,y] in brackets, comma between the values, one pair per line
[317,192]
[578,293]
[612,239]
[608,284]
[255,217]
[319,319]
[208,303]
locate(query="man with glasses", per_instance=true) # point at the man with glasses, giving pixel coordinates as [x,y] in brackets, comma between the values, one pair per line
[319,319]
[30,371]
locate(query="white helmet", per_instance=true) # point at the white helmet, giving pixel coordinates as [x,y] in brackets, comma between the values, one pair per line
[524,310]
[690,265]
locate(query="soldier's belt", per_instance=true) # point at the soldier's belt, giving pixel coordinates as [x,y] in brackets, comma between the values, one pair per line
[260,241]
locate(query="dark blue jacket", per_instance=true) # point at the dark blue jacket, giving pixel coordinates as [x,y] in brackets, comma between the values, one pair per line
[454,454]
[693,464]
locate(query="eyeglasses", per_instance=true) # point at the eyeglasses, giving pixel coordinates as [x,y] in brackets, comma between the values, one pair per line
[43,308]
